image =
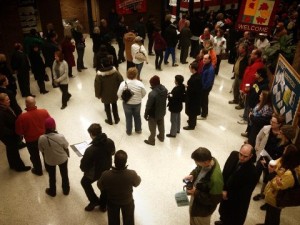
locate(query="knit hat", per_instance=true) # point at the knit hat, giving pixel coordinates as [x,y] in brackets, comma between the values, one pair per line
[289,131]
[154,81]
[50,124]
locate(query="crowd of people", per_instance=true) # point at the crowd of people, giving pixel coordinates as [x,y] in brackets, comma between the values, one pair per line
[269,139]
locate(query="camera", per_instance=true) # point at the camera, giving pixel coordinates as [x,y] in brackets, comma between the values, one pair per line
[188,184]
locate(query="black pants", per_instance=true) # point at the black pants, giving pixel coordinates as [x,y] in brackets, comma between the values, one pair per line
[63,168]
[184,53]
[23,81]
[130,64]
[86,183]
[33,150]
[272,215]
[195,48]
[121,49]
[192,121]
[114,111]
[41,84]
[65,94]
[70,70]
[80,53]
[218,64]
[204,102]
[113,213]
[13,155]
[159,55]
[150,44]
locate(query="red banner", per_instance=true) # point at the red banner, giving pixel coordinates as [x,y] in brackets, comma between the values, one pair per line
[131,6]
[257,15]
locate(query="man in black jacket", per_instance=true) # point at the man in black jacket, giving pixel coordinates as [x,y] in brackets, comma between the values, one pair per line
[96,159]
[171,39]
[240,178]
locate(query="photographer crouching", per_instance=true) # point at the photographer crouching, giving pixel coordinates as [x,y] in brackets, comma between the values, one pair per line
[206,189]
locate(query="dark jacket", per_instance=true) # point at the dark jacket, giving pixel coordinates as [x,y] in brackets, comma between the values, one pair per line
[242,67]
[48,50]
[185,36]
[255,90]
[98,157]
[140,29]
[156,103]
[171,36]
[239,182]
[193,95]
[19,62]
[7,123]
[208,192]
[175,101]
[12,85]
[67,49]
[13,102]
[159,42]
[37,65]
[97,41]
[106,84]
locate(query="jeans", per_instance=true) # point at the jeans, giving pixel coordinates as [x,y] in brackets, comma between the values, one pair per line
[113,213]
[159,54]
[139,68]
[34,152]
[65,94]
[170,50]
[135,112]
[63,168]
[152,123]
[86,183]
[175,123]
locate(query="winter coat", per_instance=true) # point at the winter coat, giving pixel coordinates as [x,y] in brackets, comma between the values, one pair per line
[37,65]
[98,157]
[159,42]
[185,36]
[171,37]
[193,95]
[67,49]
[107,82]
[176,98]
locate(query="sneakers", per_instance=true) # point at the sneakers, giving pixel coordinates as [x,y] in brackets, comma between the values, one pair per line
[258,197]
[175,64]
[91,206]
[242,121]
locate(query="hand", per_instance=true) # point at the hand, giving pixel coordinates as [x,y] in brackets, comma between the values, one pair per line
[191,191]
[189,177]
[224,195]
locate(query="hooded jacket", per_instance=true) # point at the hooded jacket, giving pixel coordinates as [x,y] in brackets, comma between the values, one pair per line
[98,157]
[156,103]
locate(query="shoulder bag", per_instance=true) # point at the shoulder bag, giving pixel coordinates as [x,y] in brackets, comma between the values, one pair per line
[127,93]
[140,56]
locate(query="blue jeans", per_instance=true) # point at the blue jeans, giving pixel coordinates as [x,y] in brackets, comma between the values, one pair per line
[170,50]
[135,112]
[139,68]
[175,123]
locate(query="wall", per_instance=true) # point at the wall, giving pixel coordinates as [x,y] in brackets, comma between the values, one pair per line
[71,9]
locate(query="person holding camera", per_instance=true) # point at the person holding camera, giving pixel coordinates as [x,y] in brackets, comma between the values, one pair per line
[240,178]
[206,192]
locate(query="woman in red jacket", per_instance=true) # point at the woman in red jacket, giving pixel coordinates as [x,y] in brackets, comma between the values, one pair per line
[68,48]
[159,48]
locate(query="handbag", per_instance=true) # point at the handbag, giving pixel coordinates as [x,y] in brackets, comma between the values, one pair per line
[127,93]
[289,197]
[140,56]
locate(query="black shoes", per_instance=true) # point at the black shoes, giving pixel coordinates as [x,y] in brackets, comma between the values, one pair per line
[91,206]
[170,136]
[66,191]
[50,193]
[233,102]
[34,171]
[160,139]
[108,122]
[188,128]
[264,207]
[63,106]
[44,92]
[117,121]
[258,197]
[219,222]
[103,208]
[149,143]
[23,169]
[238,107]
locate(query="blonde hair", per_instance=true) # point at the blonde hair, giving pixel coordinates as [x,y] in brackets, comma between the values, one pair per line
[132,73]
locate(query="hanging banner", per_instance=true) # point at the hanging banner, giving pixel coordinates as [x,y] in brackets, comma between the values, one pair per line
[257,15]
[286,91]
[131,6]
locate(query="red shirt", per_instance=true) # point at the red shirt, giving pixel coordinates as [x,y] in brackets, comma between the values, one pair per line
[31,124]
[249,74]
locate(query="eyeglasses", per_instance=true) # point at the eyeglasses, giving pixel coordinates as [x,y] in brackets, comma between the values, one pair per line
[244,156]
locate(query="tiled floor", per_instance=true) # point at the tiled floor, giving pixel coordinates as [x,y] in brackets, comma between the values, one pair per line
[161,167]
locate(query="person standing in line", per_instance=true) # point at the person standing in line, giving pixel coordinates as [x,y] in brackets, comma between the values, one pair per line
[176,98]
[185,42]
[31,125]
[118,183]
[156,110]
[97,41]
[96,159]
[159,48]
[54,147]
[129,40]
[220,47]
[61,78]
[67,48]
[8,135]
[150,30]
[240,178]
[107,82]
[171,39]
[208,78]
[138,47]
[20,63]
[4,70]
[206,192]
[38,68]
[132,108]
[120,32]
[80,45]
[193,97]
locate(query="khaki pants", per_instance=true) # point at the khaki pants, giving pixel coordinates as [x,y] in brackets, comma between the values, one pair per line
[198,220]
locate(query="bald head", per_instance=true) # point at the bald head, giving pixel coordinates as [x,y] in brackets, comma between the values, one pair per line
[246,153]
[30,102]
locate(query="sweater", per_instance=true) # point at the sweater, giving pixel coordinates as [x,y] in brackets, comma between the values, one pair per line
[61,75]
[138,89]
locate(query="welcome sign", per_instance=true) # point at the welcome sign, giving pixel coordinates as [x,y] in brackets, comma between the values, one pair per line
[257,15]
[130,6]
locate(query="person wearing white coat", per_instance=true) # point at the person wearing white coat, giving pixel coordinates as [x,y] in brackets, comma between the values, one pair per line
[138,47]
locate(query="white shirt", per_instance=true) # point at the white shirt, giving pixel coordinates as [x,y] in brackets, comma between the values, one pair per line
[135,48]
[137,87]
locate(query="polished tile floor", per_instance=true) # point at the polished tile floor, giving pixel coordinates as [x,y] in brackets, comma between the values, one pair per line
[161,167]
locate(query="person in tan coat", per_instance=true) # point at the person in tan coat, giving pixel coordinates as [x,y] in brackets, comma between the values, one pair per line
[129,40]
